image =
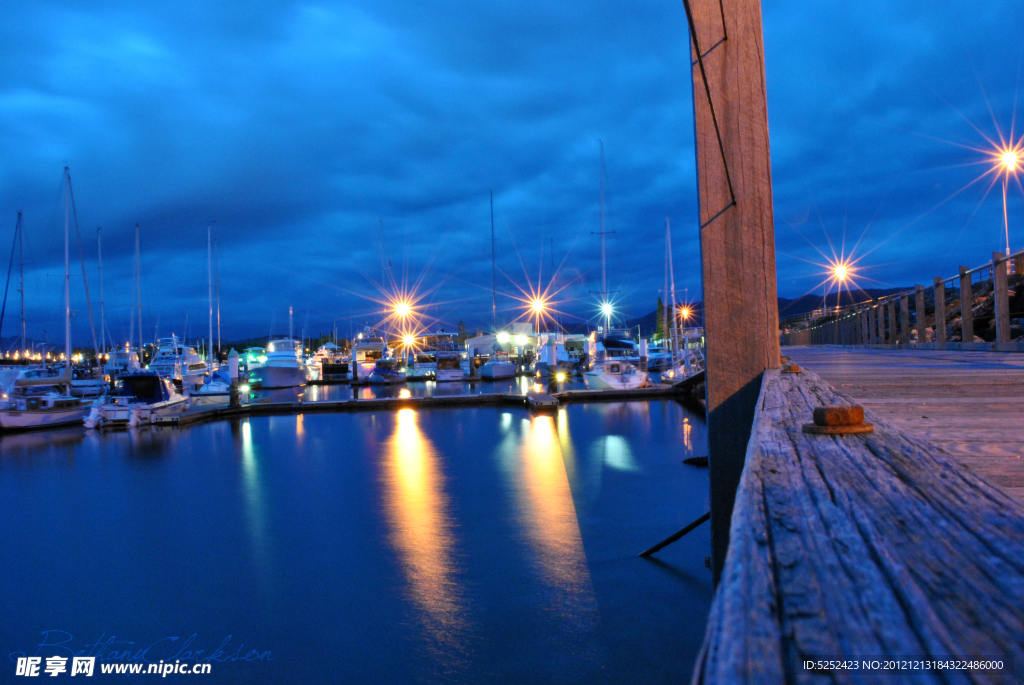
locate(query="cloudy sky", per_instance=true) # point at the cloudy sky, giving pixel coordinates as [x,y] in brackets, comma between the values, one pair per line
[297,129]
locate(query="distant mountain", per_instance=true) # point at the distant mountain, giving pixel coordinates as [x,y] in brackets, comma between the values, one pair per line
[808,303]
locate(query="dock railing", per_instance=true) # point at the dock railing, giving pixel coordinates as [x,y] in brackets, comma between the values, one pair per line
[930,317]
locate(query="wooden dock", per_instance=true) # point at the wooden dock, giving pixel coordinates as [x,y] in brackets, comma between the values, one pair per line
[861,547]
[969,404]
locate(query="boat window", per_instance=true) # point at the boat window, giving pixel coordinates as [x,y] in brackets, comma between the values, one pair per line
[614,368]
[142,388]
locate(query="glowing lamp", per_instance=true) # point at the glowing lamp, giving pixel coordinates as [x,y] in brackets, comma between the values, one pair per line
[403,309]
[560,377]
[606,309]
[520,340]
[409,340]
[537,306]
[1009,160]
[503,337]
[685,312]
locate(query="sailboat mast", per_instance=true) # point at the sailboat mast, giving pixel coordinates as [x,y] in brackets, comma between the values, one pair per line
[604,271]
[21,259]
[209,287]
[138,288]
[216,266]
[494,296]
[672,291]
[67,269]
[103,320]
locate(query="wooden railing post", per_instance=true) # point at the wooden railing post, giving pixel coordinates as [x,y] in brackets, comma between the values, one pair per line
[892,321]
[873,324]
[904,318]
[737,237]
[940,310]
[1002,297]
[864,326]
[966,306]
[920,314]
[880,321]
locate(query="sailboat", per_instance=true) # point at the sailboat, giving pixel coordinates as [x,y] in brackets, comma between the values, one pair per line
[141,396]
[612,369]
[41,398]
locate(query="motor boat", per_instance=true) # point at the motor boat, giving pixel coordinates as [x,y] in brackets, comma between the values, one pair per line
[421,366]
[449,364]
[498,366]
[216,390]
[178,362]
[614,374]
[39,398]
[386,371]
[138,399]
[330,364]
[283,367]
[368,348]
[564,364]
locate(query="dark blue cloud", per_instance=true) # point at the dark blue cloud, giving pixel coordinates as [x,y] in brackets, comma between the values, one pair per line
[297,128]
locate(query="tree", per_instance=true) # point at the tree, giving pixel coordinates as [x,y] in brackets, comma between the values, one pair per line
[659,316]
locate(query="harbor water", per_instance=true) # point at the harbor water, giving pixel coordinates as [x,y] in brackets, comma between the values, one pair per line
[482,545]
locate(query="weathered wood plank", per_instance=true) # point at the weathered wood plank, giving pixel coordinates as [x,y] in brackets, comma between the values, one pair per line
[859,546]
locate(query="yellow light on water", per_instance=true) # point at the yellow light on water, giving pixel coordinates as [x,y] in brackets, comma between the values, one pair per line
[404,393]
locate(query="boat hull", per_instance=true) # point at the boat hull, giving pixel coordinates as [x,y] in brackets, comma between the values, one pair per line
[596,380]
[278,377]
[449,375]
[17,420]
[135,413]
[490,372]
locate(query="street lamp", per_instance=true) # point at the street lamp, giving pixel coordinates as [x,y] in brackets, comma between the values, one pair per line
[403,309]
[1009,161]
[606,309]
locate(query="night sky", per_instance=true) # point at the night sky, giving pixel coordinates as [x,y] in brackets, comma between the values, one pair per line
[295,129]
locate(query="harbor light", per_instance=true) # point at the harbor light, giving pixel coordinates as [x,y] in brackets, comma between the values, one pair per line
[503,337]
[606,309]
[560,377]
[685,313]
[1009,159]
[409,340]
[537,306]
[520,340]
[402,309]
[841,272]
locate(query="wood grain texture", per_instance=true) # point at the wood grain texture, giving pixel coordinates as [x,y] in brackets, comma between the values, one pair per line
[859,546]
[737,242]
[968,404]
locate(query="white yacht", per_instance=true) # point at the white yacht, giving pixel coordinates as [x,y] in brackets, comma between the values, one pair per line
[38,398]
[498,366]
[421,366]
[449,363]
[331,365]
[283,367]
[139,398]
[368,347]
[178,362]
[120,361]
[614,374]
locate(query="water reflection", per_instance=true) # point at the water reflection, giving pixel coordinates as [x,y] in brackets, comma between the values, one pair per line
[254,505]
[417,510]
[545,500]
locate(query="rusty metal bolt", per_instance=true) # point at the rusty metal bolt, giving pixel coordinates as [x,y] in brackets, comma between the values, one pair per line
[851,415]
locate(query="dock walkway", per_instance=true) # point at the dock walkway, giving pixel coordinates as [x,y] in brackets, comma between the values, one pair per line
[969,404]
[865,547]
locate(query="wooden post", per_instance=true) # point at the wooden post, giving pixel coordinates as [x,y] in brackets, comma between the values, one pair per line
[940,310]
[904,318]
[880,322]
[966,306]
[870,340]
[920,314]
[1002,297]
[892,321]
[737,238]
